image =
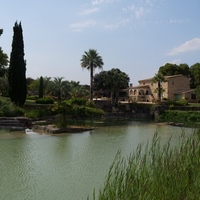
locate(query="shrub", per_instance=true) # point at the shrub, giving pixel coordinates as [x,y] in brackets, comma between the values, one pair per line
[37,113]
[45,100]
[90,104]
[31,97]
[76,108]
[19,111]
[77,101]
[93,111]
[181,102]
[63,107]
[180,116]
[8,109]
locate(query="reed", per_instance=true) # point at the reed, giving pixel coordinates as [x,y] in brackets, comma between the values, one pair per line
[156,171]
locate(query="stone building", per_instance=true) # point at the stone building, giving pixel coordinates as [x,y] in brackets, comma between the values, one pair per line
[173,88]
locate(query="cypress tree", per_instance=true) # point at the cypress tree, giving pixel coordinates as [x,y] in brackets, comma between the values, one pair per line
[41,87]
[17,68]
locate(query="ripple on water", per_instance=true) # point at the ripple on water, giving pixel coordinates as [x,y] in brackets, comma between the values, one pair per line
[35,166]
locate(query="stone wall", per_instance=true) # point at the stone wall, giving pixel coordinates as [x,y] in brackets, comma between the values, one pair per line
[15,122]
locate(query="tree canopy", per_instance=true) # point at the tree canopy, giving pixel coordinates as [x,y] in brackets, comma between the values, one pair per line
[195,75]
[193,72]
[3,60]
[111,81]
[170,69]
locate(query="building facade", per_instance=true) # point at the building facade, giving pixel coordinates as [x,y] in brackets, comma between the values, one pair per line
[173,88]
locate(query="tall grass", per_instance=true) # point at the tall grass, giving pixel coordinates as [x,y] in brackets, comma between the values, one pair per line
[156,171]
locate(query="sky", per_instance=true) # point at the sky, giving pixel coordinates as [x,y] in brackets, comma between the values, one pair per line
[136,36]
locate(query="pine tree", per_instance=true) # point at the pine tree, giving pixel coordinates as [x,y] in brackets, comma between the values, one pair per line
[17,68]
[41,88]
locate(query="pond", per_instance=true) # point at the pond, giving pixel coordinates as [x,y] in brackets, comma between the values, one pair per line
[38,166]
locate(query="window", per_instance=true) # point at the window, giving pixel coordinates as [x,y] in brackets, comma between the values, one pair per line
[193,96]
[141,92]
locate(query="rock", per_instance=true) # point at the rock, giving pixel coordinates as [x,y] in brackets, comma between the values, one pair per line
[53,129]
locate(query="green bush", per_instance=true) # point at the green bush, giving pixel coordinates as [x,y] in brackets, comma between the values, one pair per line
[90,104]
[77,108]
[84,111]
[37,113]
[45,100]
[156,171]
[181,102]
[77,101]
[179,116]
[93,111]
[31,97]
[8,109]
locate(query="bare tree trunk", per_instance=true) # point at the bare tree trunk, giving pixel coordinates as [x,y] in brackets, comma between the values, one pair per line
[112,97]
[91,83]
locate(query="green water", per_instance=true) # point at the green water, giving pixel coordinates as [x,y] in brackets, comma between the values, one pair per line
[36,166]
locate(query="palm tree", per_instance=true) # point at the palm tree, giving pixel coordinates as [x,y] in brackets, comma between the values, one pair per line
[159,78]
[91,60]
[58,87]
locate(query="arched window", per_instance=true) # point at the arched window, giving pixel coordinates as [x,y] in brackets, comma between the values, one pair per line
[131,92]
[141,92]
[147,92]
[135,92]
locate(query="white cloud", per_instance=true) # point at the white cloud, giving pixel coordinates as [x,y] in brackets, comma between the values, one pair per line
[149,2]
[89,11]
[111,26]
[121,23]
[177,61]
[138,11]
[96,2]
[188,46]
[82,25]
[175,21]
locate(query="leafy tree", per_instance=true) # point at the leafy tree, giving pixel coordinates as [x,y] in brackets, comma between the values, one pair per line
[195,75]
[73,89]
[159,78]
[170,69]
[111,81]
[17,68]
[41,88]
[184,69]
[3,60]
[47,86]
[197,91]
[4,86]
[33,87]
[78,91]
[29,80]
[91,60]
